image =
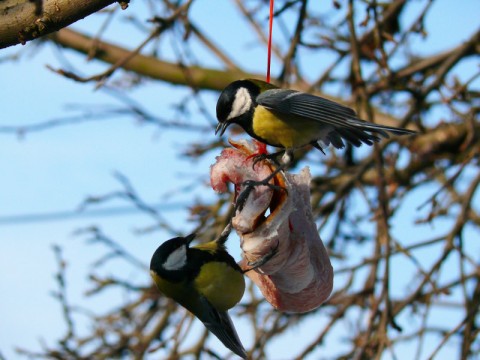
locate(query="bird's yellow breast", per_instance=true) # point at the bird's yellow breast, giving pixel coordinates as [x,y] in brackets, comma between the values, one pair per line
[287,132]
[222,285]
[176,291]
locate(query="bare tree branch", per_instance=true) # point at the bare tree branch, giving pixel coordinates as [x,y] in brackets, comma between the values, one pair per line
[385,276]
[148,65]
[24,20]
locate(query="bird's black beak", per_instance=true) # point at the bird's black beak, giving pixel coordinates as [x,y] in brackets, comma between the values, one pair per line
[222,126]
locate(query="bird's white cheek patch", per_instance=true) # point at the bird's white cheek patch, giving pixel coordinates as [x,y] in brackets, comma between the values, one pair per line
[176,260]
[241,104]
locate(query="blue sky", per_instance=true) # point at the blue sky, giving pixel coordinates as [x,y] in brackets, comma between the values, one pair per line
[54,170]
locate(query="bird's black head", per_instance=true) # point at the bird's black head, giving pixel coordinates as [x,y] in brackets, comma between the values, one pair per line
[170,259]
[236,104]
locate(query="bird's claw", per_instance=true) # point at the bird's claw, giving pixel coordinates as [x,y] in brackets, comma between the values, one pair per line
[263,260]
[257,158]
[265,182]
[250,185]
[261,157]
[241,199]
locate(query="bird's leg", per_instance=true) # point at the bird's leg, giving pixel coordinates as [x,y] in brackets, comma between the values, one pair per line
[263,156]
[225,233]
[287,159]
[250,185]
[263,260]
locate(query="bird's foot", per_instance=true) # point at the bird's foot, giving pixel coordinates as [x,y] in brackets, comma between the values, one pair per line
[252,265]
[222,239]
[249,185]
[257,157]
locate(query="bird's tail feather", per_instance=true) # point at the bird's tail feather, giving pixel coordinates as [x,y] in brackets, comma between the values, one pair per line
[358,132]
[382,130]
[220,324]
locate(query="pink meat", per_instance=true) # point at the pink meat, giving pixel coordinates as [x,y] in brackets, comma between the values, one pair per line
[299,277]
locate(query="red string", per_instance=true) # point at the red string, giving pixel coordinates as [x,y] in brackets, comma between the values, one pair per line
[269,55]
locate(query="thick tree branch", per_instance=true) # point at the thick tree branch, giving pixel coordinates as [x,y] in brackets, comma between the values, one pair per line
[149,66]
[177,74]
[24,20]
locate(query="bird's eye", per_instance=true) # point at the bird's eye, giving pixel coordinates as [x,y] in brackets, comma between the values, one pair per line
[177,259]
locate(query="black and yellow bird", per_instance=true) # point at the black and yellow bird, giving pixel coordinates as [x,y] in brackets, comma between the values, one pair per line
[289,119]
[205,280]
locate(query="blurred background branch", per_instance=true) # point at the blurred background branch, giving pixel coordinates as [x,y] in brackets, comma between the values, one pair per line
[394,279]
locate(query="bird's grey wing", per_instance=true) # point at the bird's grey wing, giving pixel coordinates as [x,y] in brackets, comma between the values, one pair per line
[221,325]
[342,120]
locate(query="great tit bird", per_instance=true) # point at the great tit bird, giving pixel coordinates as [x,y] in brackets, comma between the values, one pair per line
[290,119]
[205,280]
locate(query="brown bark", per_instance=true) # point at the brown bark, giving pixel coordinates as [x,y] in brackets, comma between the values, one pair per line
[150,66]
[24,20]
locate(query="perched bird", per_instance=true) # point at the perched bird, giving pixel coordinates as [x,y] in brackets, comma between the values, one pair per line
[205,280]
[290,119]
